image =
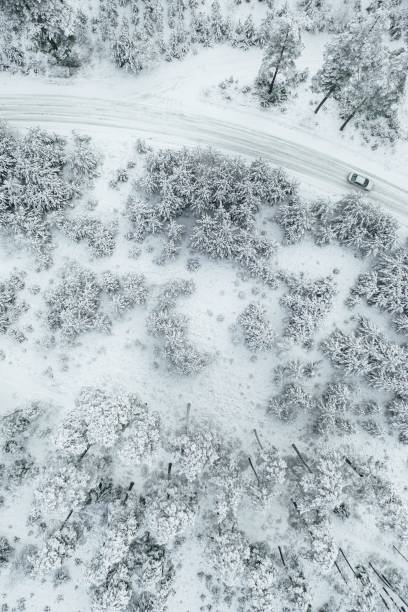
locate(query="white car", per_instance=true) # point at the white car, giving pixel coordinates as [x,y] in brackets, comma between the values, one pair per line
[360,181]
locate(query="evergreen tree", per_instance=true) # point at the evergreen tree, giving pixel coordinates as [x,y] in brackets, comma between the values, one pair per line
[376,91]
[245,35]
[278,71]
[346,55]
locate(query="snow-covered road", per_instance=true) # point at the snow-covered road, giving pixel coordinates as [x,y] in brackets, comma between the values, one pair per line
[306,156]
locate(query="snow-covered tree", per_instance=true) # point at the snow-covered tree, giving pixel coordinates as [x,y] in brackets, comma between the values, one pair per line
[228,550]
[74,304]
[397,417]
[140,441]
[171,509]
[82,161]
[356,224]
[201,29]
[259,585]
[220,25]
[308,302]
[347,54]
[163,322]
[11,307]
[6,551]
[369,354]
[132,50]
[126,290]
[294,218]
[375,93]
[295,370]
[99,420]
[386,286]
[278,74]
[63,486]
[226,485]
[269,470]
[194,451]
[59,546]
[257,332]
[100,237]
[320,489]
[290,402]
[245,34]
[333,409]
[324,549]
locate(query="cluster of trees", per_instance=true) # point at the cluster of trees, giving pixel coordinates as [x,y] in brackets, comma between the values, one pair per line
[386,286]
[326,15]
[353,221]
[222,194]
[364,75]
[369,354]
[10,305]
[38,35]
[74,305]
[332,409]
[199,483]
[17,431]
[100,237]
[149,30]
[360,70]
[39,174]
[308,302]
[254,328]
[172,327]
[41,35]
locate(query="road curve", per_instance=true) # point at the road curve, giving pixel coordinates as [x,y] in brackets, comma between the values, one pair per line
[163,125]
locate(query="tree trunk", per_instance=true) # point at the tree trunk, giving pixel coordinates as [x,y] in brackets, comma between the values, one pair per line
[278,64]
[349,118]
[295,448]
[257,439]
[326,97]
[254,470]
[67,519]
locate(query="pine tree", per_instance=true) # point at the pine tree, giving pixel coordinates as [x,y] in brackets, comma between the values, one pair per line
[376,91]
[221,27]
[278,72]
[346,55]
[245,35]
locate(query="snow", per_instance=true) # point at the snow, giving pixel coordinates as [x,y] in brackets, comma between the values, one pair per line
[174,104]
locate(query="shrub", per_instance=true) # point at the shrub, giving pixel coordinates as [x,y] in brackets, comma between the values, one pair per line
[355,223]
[308,302]
[386,286]
[257,332]
[179,352]
[101,238]
[291,401]
[294,219]
[369,354]
[10,306]
[74,305]
[126,290]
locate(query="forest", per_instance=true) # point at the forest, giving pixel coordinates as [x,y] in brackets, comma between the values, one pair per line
[204,357]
